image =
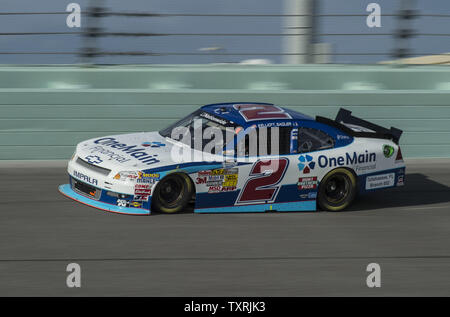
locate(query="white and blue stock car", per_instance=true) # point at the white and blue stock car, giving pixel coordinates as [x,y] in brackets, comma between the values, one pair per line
[320,162]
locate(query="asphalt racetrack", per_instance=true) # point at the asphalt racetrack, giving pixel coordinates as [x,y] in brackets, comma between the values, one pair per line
[405,230]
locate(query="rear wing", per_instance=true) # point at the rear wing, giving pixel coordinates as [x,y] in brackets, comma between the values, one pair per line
[345,117]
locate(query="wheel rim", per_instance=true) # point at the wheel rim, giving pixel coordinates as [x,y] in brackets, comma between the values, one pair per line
[337,189]
[171,192]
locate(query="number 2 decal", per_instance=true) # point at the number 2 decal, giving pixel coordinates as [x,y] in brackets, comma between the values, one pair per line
[261,112]
[263,185]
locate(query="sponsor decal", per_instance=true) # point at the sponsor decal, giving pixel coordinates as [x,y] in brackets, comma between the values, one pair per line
[230,180]
[219,189]
[153,144]
[294,141]
[229,163]
[218,180]
[135,204]
[347,159]
[388,151]
[85,178]
[122,203]
[310,195]
[307,183]
[222,111]
[141,197]
[214,118]
[380,181]
[108,153]
[342,137]
[126,203]
[142,192]
[93,159]
[204,173]
[365,168]
[132,150]
[148,178]
[306,163]
[201,180]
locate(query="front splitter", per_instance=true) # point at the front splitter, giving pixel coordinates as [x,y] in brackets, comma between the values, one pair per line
[67,191]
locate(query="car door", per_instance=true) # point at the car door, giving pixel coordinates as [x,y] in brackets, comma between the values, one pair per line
[263,155]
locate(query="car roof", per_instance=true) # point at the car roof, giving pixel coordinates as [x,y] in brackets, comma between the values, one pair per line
[230,113]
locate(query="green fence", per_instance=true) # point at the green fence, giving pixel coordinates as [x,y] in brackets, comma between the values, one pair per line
[45,111]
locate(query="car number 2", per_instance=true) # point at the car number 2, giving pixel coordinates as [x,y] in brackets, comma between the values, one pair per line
[261,112]
[264,182]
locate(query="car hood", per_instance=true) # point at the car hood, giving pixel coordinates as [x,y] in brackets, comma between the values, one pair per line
[128,152]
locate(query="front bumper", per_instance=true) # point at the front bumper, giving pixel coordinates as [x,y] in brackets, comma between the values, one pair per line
[67,191]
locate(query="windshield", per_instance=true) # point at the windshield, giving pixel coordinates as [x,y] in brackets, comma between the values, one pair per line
[201,128]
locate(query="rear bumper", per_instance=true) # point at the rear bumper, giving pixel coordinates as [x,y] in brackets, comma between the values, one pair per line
[382,180]
[67,191]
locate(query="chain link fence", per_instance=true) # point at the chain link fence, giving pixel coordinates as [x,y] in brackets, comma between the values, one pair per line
[109,36]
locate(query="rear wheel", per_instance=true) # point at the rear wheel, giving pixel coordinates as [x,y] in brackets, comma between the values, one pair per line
[337,190]
[172,194]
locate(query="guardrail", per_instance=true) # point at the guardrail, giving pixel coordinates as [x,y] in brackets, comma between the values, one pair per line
[45,111]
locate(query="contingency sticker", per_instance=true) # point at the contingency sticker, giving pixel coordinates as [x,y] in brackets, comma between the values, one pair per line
[142,191]
[219,180]
[148,178]
[307,183]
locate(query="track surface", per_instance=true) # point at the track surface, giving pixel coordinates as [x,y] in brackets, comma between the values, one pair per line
[406,231]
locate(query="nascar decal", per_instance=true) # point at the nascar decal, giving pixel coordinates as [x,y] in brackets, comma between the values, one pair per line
[264,182]
[132,150]
[219,180]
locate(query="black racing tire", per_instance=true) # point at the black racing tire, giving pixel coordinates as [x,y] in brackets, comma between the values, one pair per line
[173,193]
[337,190]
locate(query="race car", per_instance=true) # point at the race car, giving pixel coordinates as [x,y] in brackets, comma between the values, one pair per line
[237,157]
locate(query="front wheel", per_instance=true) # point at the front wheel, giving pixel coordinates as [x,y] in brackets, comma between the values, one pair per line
[172,194]
[337,190]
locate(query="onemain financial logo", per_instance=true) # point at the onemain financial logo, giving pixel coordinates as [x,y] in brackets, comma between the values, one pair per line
[347,159]
[133,150]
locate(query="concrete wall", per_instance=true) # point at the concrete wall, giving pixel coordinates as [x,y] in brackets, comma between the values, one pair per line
[45,111]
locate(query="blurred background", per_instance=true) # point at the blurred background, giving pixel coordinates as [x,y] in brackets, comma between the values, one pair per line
[74,70]
[215,31]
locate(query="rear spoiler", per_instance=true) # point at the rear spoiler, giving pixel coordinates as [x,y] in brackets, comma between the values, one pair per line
[345,116]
